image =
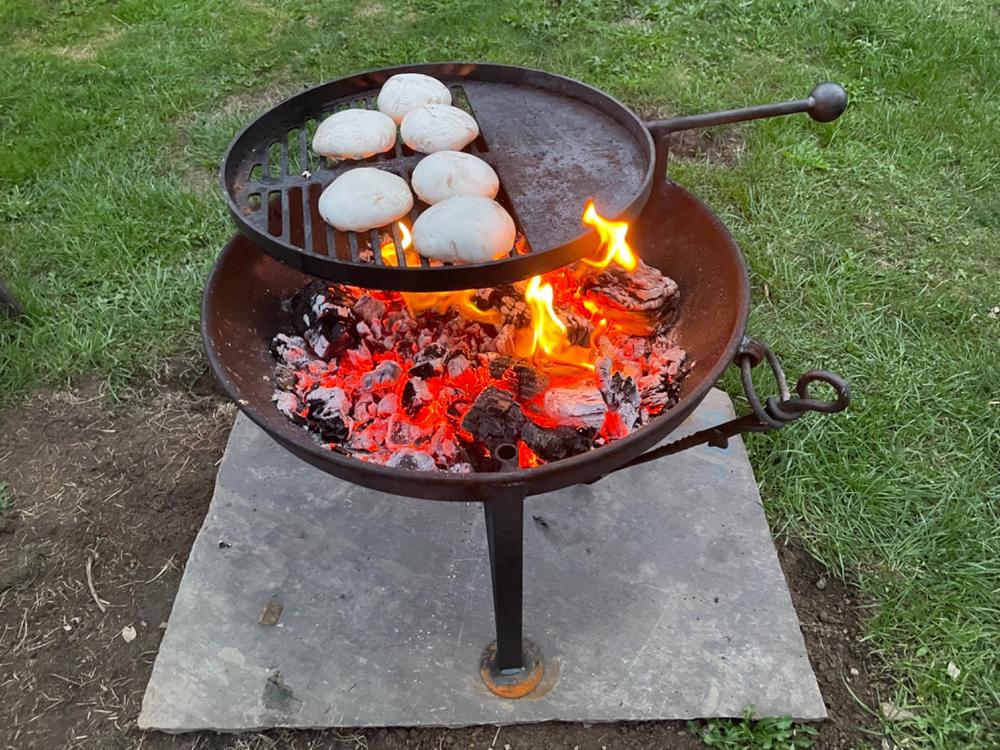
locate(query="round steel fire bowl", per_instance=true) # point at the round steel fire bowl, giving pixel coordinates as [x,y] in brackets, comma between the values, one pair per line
[676,233]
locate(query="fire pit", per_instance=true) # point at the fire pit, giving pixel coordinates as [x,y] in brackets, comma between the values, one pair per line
[260,298]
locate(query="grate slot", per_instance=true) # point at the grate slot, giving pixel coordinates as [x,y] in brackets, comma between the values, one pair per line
[397,241]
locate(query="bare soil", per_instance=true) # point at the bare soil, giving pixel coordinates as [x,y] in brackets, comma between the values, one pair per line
[125,487]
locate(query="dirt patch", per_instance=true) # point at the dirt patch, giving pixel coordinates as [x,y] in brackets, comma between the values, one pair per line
[93,46]
[722,145]
[126,487]
[717,146]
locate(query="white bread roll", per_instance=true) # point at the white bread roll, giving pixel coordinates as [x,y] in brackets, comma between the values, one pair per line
[404,92]
[438,127]
[464,229]
[445,174]
[365,198]
[354,134]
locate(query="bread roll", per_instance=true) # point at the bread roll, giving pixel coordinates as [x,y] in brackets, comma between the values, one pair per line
[464,229]
[405,92]
[365,198]
[354,134]
[438,127]
[446,174]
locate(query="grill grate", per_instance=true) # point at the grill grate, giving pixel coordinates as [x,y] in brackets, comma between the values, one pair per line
[281,186]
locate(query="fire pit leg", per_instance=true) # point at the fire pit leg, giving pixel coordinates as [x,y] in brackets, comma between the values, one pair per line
[511,667]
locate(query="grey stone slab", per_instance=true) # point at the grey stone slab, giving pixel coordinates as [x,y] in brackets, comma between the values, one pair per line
[654,594]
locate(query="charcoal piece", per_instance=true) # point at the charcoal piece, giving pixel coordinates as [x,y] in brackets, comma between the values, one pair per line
[289,405]
[328,413]
[384,375]
[620,394]
[505,342]
[457,365]
[330,337]
[414,460]
[644,290]
[500,364]
[580,405]
[292,350]
[514,311]
[431,351]
[319,301]
[578,328]
[362,407]
[403,433]
[388,405]
[494,417]
[416,394]
[369,309]
[285,377]
[429,368]
[527,381]
[558,442]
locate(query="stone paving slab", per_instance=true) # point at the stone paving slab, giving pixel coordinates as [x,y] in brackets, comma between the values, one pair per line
[654,594]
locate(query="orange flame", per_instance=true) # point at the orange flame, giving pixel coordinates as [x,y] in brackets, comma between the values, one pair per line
[547,330]
[613,242]
[440,302]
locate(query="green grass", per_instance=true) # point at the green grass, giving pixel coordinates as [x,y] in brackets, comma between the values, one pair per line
[876,237]
[751,734]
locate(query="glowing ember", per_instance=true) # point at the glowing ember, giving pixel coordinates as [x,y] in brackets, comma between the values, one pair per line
[555,366]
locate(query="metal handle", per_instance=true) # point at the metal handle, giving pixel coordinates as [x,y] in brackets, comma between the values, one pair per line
[773,414]
[826,102]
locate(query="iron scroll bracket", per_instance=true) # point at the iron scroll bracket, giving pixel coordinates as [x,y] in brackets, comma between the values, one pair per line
[771,414]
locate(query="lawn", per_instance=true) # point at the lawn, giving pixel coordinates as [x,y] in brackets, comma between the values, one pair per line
[872,241]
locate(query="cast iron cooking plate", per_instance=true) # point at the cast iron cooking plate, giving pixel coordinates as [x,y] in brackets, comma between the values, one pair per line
[554,143]
[677,233]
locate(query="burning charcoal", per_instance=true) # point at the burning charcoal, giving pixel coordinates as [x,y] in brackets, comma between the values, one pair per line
[427,369]
[361,408]
[319,301]
[403,433]
[389,405]
[515,311]
[527,381]
[429,362]
[578,405]
[578,328]
[443,446]
[328,410]
[289,405]
[414,460]
[371,438]
[494,417]
[292,350]
[457,365]
[505,342]
[369,309]
[620,394]
[285,377]
[385,374]
[559,442]
[499,365]
[330,337]
[415,395]
[643,290]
